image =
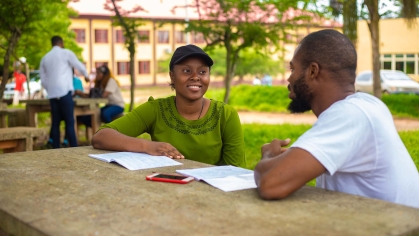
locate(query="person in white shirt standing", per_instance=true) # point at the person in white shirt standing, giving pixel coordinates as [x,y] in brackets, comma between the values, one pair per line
[353,147]
[57,78]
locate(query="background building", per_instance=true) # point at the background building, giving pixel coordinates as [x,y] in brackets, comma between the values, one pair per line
[399,46]
[161,33]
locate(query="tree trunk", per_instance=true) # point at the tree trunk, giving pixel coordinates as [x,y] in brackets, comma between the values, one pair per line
[227,78]
[373,26]
[12,43]
[231,70]
[131,48]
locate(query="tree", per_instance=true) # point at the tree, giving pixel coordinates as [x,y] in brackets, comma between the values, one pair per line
[129,29]
[236,25]
[26,27]
[369,11]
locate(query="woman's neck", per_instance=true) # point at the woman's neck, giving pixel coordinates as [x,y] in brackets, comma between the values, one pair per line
[190,110]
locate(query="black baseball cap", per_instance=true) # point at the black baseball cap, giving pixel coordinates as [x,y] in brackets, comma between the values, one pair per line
[183,52]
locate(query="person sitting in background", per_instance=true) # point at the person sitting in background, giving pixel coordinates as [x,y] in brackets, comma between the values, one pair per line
[256,81]
[267,80]
[106,86]
[78,85]
[186,125]
[353,147]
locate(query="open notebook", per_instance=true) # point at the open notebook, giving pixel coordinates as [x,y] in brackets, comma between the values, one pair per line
[226,178]
[136,161]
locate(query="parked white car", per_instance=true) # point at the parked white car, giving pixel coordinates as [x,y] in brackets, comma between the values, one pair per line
[34,86]
[392,81]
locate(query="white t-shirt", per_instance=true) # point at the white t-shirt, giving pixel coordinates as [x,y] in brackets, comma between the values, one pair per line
[356,141]
[56,71]
[115,96]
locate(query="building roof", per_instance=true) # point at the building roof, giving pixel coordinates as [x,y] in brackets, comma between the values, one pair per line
[170,10]
[154,9]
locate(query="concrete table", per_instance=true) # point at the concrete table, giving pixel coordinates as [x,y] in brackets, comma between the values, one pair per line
[82,106]
[65,192]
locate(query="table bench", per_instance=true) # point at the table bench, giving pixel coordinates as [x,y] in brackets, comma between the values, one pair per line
[82,107]
[16,117]
[19,139]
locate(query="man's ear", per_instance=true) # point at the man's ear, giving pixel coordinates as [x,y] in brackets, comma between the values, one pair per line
[314,70]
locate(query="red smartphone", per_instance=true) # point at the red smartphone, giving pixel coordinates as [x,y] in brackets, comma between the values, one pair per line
[170,178]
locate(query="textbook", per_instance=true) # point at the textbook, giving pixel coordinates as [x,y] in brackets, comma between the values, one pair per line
[226,178]
[136,161]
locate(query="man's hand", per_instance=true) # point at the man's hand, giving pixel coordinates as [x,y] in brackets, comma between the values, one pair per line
[274,148]
[163,149]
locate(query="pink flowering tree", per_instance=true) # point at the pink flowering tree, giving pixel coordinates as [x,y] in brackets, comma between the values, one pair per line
[236,25]
[129,28]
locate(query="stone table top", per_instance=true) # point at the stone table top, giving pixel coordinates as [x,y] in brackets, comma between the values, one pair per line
[65,192]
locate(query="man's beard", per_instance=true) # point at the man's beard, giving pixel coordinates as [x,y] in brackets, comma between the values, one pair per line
[303,96]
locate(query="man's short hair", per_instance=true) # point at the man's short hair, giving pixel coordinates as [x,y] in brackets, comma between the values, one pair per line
[333,51]
[55,40]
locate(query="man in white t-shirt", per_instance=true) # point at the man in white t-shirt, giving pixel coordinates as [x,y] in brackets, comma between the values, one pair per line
[353,147]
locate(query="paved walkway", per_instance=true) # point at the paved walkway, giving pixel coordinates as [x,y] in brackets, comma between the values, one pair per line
[279,118]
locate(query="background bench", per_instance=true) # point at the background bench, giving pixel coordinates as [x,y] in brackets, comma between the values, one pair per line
[19,139]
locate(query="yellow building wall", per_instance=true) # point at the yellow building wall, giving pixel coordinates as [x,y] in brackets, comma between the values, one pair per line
[395,38]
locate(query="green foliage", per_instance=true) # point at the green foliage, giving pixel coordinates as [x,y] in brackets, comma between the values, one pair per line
[255,98]
[410,140]
[250,62]
[402,105]
[260,98]
[38,21]
[275,99]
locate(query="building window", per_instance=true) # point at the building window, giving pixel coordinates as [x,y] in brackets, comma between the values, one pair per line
[144,67]
[387,65]
[119,36]
[198,38]
[101,36]
[163,36]
[180,37]
[144,36]
[80,35]
[408,63]
[101,63]
[123,68]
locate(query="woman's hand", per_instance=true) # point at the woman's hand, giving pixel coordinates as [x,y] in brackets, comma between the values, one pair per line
[163,149]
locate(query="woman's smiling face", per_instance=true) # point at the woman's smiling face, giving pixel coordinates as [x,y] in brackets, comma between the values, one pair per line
[190,78]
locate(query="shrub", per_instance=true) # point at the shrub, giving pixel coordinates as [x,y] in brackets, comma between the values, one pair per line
[402,105]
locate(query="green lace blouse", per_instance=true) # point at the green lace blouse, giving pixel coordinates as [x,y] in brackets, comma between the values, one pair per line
[216,138]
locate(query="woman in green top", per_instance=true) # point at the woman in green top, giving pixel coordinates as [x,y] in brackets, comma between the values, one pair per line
[183,126]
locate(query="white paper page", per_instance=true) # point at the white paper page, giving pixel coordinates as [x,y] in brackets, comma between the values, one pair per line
[214,172]
[233,183]
[137,161]
[102,157]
